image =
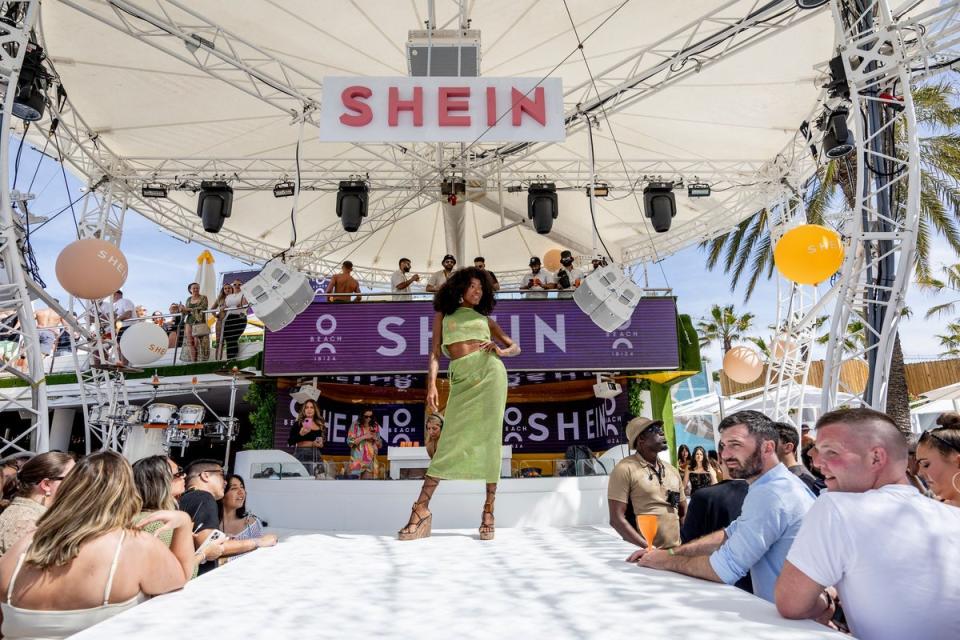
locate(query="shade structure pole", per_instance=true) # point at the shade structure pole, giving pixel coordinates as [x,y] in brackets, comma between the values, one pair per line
[881,229]
[14,294]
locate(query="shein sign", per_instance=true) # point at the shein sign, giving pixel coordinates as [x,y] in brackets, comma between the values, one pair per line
[402,109]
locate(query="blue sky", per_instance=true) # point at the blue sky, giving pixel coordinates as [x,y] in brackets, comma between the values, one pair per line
[160,266]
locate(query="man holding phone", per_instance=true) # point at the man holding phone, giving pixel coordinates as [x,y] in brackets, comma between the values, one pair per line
[206,484]
[537,281]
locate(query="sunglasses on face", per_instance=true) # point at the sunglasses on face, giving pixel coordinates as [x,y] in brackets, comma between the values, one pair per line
[368,417]
[179,473]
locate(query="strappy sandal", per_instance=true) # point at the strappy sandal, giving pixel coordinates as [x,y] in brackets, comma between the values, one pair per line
[421,528]
[487,530]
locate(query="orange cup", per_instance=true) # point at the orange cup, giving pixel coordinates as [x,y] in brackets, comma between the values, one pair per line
[648,528]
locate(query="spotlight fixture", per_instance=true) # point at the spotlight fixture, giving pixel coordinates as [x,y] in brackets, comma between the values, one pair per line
[659,205]
[214,204]
[352,203]
[31,98]
[284,189]
[837,87]
[154,190]
[838,140]
[698,190]
[600,189]
[542,205]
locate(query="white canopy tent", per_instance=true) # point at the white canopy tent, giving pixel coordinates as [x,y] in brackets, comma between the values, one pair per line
[176,116]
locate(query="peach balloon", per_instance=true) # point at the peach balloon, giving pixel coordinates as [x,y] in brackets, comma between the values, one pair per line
[551,260]
[91,268]
[742,364]
[785,349]
[143,343]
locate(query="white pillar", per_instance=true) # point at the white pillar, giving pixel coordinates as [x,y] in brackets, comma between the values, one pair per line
[61,427]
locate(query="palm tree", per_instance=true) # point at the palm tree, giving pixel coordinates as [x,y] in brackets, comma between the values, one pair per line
[746,253]
[949,282]
[723,325]
[951,340]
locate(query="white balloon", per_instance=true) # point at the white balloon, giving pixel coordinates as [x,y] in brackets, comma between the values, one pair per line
[143,343]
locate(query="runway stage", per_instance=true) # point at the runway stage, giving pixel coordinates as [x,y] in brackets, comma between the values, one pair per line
[549,583]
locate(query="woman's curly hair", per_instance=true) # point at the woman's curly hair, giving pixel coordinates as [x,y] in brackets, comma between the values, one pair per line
[448,297]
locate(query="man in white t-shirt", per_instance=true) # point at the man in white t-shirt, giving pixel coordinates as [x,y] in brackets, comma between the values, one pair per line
[891,553]
[439,278]
[537,281]
[401,280]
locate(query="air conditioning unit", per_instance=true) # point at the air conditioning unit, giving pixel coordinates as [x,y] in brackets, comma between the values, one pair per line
[444,52]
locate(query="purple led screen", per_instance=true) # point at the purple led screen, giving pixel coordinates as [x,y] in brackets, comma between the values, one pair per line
[531,427]
[394,337]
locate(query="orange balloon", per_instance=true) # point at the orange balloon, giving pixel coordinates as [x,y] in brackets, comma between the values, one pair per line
[551,260]
[742,364]
[91,268]
[809,254]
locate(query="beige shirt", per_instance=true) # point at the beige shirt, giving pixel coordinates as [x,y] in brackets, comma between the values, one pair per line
[17,520]
[635,481]
[439,278]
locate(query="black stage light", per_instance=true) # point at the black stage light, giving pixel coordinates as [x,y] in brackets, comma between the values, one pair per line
[284,189]
[352,203]
[838,140]
[698,190]
[542,205]
[811,4]
[154,190]
[30,99]
[659,205]
[214,204]
[600,190]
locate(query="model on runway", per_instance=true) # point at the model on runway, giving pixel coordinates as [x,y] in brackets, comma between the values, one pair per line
[469,446]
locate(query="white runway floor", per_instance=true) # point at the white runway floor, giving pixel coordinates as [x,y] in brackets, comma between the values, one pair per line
[527,584]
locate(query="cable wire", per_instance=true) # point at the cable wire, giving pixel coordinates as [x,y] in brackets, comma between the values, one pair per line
[616,145]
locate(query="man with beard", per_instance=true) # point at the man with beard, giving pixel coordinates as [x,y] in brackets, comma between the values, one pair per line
[757,541]
[648,485]
[400,282]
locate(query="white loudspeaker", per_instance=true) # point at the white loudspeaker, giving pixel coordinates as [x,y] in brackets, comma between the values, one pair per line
[597,287]
[608,297]
[293,286]
[278,294]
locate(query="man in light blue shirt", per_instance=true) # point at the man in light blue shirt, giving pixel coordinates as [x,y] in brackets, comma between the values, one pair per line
[757,541]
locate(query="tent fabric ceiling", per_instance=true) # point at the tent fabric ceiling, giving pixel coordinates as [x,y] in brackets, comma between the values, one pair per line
[171,120]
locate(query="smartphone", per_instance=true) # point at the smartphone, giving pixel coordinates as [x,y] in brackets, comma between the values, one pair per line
[216,536]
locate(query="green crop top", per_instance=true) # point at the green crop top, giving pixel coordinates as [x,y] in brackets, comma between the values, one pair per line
[464,324]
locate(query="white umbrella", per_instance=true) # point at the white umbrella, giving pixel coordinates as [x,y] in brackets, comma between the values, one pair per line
[206,276]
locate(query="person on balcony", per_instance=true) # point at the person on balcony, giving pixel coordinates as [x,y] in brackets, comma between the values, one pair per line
[344,283]
[538,281]
[439,278]
[569,276]
[197,334]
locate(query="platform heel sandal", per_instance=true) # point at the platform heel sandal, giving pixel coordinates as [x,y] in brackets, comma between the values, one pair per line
[421,528]
[487,530]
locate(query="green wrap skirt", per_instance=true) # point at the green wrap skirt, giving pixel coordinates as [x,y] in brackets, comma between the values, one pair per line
[470,443]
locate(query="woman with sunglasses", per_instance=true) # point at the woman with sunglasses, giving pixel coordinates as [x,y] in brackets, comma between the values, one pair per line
[160,482]
[938,459]
[470,447]
[32,492]
[364,440]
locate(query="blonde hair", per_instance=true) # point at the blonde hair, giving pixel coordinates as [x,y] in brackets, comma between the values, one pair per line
[97,496]
[317,416]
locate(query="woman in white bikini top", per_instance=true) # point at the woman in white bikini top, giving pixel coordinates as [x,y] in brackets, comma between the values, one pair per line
[86,562]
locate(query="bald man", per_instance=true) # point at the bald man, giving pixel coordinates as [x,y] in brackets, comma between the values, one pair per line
[891,553]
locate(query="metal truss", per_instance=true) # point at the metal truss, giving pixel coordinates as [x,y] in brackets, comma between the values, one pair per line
[798,307]
[14,295]
[96,342]
[881,230]
[703,42]
[199,42]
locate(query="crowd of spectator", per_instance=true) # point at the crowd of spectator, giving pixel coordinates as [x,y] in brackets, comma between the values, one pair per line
[83,540]
[828,542]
